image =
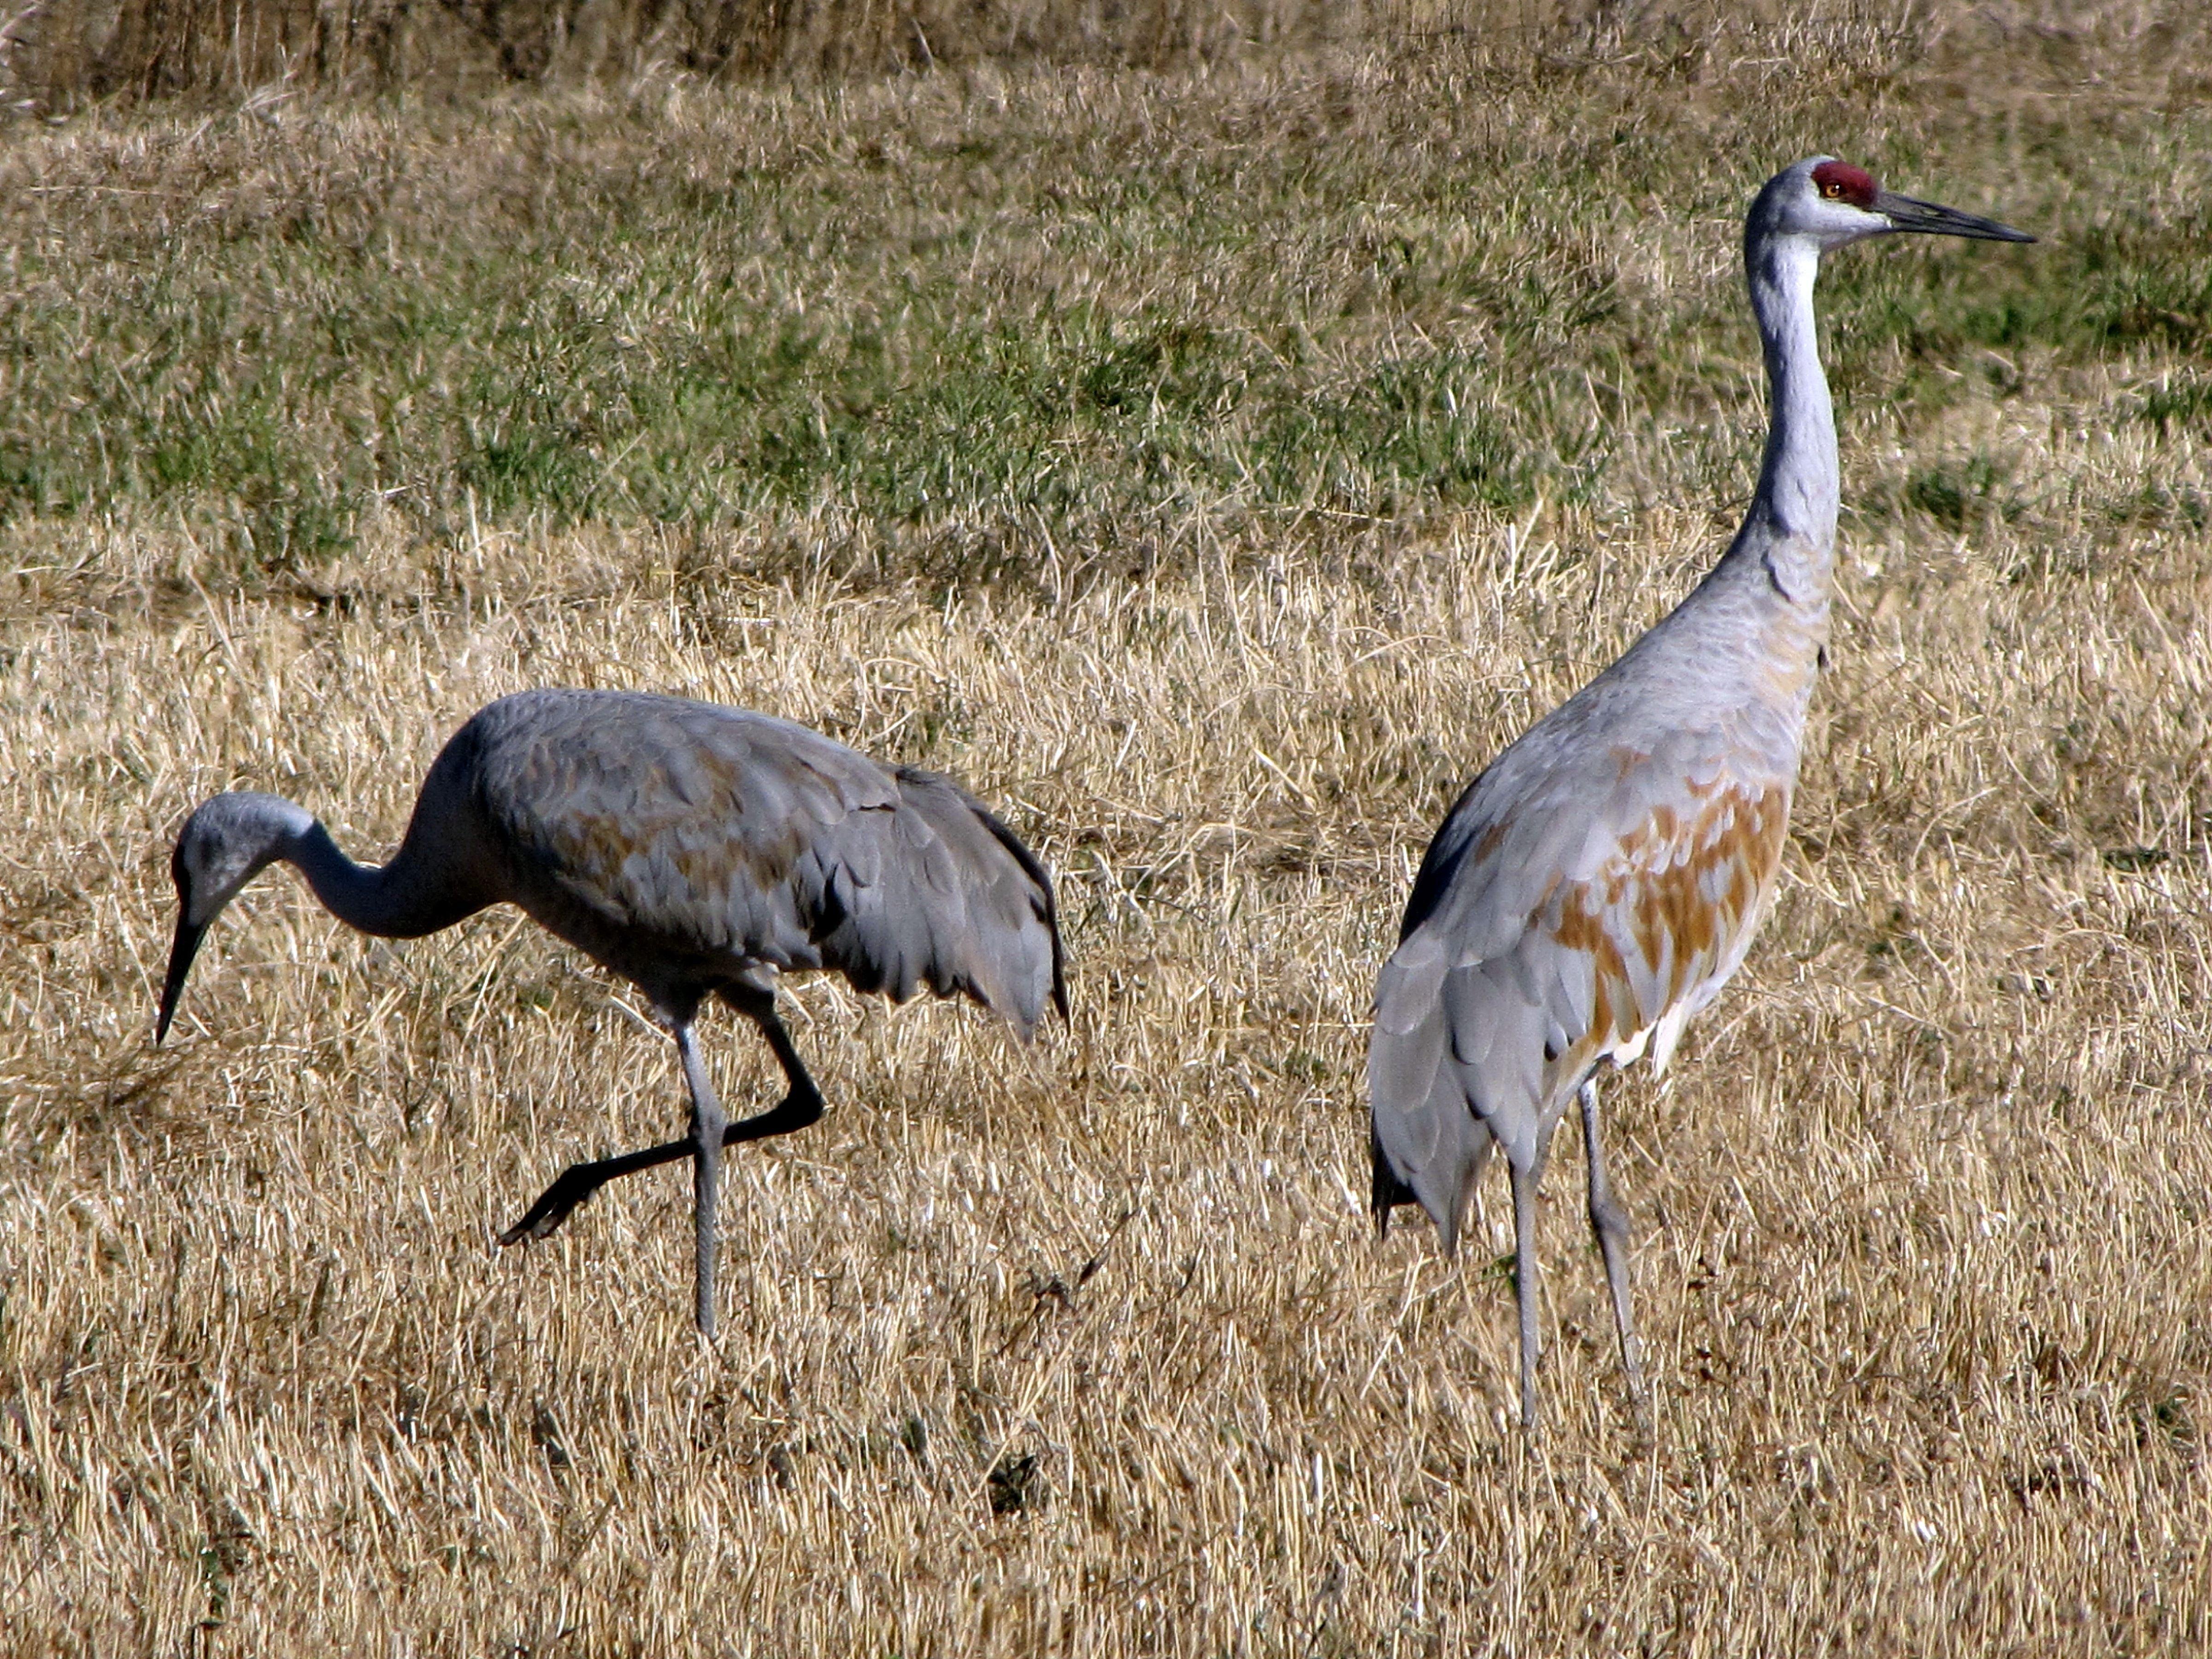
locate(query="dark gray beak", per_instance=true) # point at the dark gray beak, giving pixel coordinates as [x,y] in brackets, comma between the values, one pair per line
[182,950]
[1904,213]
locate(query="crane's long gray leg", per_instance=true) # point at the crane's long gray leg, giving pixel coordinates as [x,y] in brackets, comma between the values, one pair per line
[801,1106]
[1610,1223]
[710,1123]
[1524,1281]
[803,1103]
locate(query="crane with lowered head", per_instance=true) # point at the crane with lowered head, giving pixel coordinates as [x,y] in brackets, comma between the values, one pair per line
[696,850]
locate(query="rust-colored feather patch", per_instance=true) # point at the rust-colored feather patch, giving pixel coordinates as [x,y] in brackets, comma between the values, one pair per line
[1681,892]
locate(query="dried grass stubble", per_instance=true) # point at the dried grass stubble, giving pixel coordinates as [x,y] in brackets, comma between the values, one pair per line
[271,1367]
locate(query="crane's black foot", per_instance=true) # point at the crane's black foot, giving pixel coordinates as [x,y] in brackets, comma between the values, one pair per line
[580,1181]
[577,1182]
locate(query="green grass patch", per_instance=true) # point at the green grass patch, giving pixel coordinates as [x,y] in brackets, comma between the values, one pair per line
[1182,302]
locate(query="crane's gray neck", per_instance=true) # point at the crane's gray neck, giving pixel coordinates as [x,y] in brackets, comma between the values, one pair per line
[1791,526]
[404,899]
[438,876]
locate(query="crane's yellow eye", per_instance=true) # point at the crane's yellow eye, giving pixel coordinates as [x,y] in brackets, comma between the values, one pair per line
[1831,189]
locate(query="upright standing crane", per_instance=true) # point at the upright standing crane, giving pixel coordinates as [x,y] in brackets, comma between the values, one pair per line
[695,851]
[1599,882]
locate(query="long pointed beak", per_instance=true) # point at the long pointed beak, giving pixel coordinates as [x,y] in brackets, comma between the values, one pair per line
[182,950]
[1904,213]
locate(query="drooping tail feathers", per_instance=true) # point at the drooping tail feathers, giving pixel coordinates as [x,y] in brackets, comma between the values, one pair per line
[936,890]
[1427,1143]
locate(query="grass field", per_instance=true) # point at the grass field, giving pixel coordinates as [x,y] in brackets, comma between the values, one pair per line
[1214,469]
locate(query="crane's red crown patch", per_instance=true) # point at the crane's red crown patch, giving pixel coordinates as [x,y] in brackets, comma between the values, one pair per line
[1839,181]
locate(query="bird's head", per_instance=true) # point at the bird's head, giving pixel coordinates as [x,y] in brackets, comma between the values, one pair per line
[230,839]
[1831,204]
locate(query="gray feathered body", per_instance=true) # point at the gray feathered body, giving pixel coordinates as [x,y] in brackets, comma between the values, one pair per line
[688,846]
[1596,885]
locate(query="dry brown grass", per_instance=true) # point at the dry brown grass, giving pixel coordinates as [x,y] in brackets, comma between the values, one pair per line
[57,54]
[1921,1211]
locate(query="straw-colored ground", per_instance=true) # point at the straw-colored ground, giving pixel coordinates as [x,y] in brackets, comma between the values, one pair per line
[1087,1348]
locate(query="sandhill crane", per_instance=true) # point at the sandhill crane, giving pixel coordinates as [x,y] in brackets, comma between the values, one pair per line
[1601,880]
[693,849]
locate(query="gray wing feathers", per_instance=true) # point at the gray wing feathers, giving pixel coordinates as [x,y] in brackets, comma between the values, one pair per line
[1481,1013]
[675,825]
[936,891]
[1423,1135]
[685,839]
[1464,1009]
[1560,917]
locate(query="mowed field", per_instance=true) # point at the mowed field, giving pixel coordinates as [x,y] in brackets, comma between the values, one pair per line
[1214,470]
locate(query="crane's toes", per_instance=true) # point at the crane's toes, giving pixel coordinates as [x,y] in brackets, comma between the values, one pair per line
[551,1208]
